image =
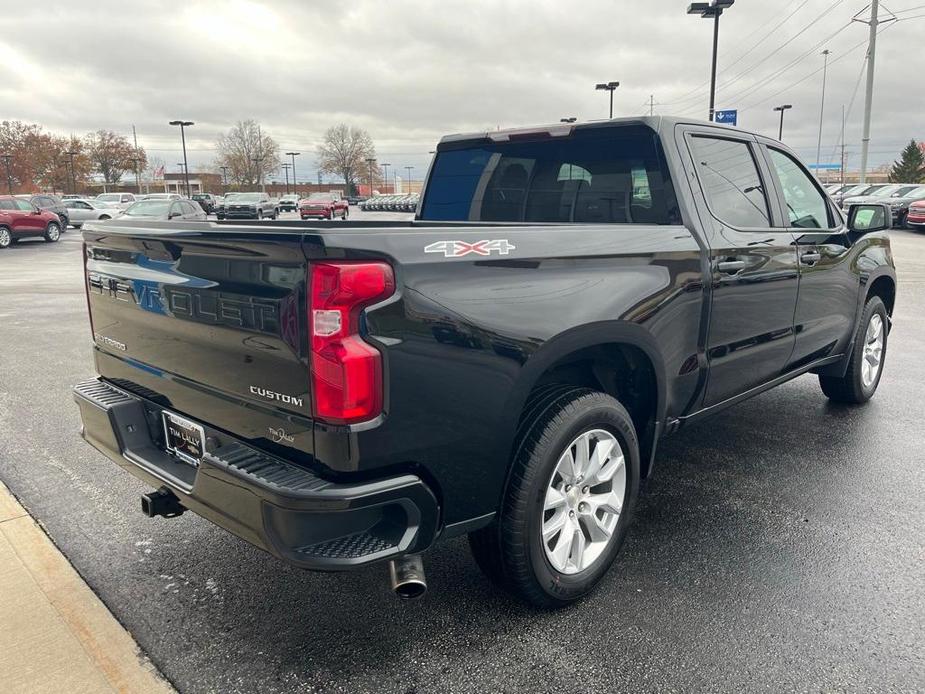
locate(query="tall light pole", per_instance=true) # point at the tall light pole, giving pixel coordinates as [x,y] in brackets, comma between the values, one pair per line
[286,169]
[135,161]
[295,181]
[608,87]
[183,125]
[70,156]
[385,175]
[8,160]
[825,65]
[369,162]
[706,11]
[408,169]
[782,108]
[224,178]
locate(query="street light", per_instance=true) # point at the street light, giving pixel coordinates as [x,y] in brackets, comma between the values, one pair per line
[183,125]
[782,108]
[570,119]
[295,182]
[706,11]
[385,176]
[408,169]
[608,87]
[286,169]
[369,163]
[224,178]
[8,160]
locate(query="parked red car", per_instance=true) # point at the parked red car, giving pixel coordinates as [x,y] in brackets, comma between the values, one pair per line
[915,217]
[323,206]
[21,219]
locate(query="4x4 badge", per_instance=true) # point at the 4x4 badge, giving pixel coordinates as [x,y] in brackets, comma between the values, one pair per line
[456,249]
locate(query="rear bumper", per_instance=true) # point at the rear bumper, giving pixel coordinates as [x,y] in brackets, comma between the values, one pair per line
[276,505]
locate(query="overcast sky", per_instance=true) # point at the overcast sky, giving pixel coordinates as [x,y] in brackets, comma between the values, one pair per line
[412,71]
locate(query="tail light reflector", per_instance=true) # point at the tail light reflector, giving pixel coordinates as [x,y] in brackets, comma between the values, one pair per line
[346,370]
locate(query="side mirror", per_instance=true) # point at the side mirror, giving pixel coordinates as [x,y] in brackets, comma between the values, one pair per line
[172,215]
[867,217]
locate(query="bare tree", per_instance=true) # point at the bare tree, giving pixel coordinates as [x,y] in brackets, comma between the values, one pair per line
[345,152]
[248,153]
[112,154]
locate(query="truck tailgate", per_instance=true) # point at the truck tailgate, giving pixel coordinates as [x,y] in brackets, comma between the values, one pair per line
[193,315]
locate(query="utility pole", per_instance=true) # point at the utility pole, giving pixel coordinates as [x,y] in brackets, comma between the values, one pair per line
[825,65]
[295,182]
[369,163]
[224,179]
[70,156]
[869,92]
[651,104]
[408,169]
[257,161]
[286,169]
[8,160]
[385,175]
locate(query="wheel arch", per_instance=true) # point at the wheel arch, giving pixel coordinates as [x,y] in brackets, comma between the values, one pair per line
[616,357]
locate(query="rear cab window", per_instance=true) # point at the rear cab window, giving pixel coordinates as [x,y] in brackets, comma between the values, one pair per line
[611,175]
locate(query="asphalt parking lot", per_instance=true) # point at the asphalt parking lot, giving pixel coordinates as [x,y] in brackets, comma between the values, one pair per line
[780,546]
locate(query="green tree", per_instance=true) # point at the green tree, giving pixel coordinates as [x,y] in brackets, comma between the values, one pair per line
[911,165]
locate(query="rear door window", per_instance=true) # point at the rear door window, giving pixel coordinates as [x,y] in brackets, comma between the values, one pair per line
[614,175]
[730,181]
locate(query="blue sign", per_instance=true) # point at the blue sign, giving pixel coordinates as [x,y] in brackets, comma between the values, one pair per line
[827,167]
[728,117]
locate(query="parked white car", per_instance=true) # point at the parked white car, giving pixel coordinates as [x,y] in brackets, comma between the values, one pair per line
[80,210]
[119,200]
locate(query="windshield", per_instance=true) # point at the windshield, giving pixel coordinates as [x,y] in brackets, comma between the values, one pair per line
[248,197]
[612,175]
[885,191]
[109,197]
[147,208]
[320,197]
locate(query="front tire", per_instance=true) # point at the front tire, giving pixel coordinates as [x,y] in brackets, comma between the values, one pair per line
[569,501]
[52,232]
[259,215]
[6,238]
[868,353]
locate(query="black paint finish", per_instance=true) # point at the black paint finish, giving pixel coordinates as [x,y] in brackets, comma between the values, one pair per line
[205,313]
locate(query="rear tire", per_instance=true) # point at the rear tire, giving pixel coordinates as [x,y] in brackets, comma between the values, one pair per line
[259,215]
[544,511]
[868,353]
[52,232]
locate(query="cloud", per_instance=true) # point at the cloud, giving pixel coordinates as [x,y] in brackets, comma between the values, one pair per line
[410,72]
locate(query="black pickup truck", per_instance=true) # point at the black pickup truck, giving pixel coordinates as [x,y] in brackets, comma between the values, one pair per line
[502,366]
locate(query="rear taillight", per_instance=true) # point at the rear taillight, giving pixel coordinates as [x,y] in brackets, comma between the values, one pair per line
[346,371]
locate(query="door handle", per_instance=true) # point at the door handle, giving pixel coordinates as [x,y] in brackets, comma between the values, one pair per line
[810,258]
[730,266]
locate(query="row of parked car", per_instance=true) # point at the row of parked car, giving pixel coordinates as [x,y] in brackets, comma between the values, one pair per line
[391,203]
[899,196]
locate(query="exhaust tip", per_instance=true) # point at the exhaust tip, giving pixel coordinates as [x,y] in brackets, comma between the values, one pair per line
[407,577]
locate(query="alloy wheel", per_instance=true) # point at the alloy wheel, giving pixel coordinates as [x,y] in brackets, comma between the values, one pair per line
[583,501]
[873,350]
[5,238]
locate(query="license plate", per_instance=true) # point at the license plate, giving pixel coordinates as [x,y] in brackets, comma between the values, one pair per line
[185,439]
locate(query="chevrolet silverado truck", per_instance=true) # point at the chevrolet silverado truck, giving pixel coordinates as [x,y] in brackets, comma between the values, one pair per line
[503,366]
